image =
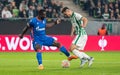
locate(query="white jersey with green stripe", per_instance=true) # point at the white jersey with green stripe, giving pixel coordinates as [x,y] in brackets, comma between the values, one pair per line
[76,22]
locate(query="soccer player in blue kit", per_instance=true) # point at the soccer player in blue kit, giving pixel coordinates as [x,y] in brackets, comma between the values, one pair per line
[38,26]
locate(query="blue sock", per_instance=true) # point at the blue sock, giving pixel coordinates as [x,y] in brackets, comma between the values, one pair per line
[64,50]
[39,57]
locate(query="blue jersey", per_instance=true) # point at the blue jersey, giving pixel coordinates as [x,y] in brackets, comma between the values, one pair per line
[39,34]
[38,27]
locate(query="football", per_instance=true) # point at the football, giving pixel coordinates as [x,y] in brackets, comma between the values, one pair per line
[65,64]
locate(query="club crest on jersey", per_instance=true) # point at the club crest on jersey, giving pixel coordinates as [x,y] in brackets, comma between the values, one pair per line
[37,23]
[43,22]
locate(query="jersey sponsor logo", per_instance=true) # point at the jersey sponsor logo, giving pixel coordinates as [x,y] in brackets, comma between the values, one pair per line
[40,29]
[12,43]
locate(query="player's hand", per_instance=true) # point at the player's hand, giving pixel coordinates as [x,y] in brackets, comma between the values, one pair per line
[83,25]
[58,21]
[20,36]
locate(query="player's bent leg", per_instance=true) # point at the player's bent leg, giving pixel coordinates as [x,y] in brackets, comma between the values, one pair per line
[72,56]
[72,47]
[57,44]
[61,48]
[39,56]
[64,50]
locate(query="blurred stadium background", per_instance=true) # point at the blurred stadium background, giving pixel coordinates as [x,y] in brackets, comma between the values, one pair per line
[14,14]
[98,12]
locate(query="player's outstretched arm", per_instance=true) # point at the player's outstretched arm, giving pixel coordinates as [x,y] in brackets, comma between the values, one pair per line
[24,31]
[53,23]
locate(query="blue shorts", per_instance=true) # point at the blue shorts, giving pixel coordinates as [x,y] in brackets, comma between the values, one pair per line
[46,41]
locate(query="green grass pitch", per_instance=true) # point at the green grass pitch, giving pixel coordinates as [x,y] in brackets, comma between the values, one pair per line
[106,63]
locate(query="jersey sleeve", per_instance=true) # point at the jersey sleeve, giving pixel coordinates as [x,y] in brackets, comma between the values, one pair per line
[45,22]
[78,16]
[30,23]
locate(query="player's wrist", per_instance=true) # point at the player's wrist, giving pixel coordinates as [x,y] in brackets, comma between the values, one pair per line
[21,36]
[55,22]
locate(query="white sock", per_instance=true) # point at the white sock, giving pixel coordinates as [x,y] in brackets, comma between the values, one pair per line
[41,65]
[78,53]
[85,55]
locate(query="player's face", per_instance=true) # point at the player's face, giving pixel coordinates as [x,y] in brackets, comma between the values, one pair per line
[67,13]
[43,15]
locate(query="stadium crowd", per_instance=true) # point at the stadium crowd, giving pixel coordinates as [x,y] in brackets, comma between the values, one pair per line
[29,8]
[101,9]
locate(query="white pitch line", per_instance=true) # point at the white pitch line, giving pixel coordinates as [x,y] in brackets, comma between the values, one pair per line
[75,61]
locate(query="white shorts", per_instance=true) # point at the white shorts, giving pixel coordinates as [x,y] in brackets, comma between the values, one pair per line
[80,41]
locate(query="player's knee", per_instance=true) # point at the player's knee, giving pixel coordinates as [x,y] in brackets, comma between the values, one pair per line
[37,47]
[57,44]
[72,47]
[37,50]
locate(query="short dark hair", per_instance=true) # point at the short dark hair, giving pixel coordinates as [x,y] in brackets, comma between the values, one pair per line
[41,12]
[64,9]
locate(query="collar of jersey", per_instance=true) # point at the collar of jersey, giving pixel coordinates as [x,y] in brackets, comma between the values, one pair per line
[72,14]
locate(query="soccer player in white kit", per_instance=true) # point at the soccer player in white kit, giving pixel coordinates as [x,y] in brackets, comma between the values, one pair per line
[79,42]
